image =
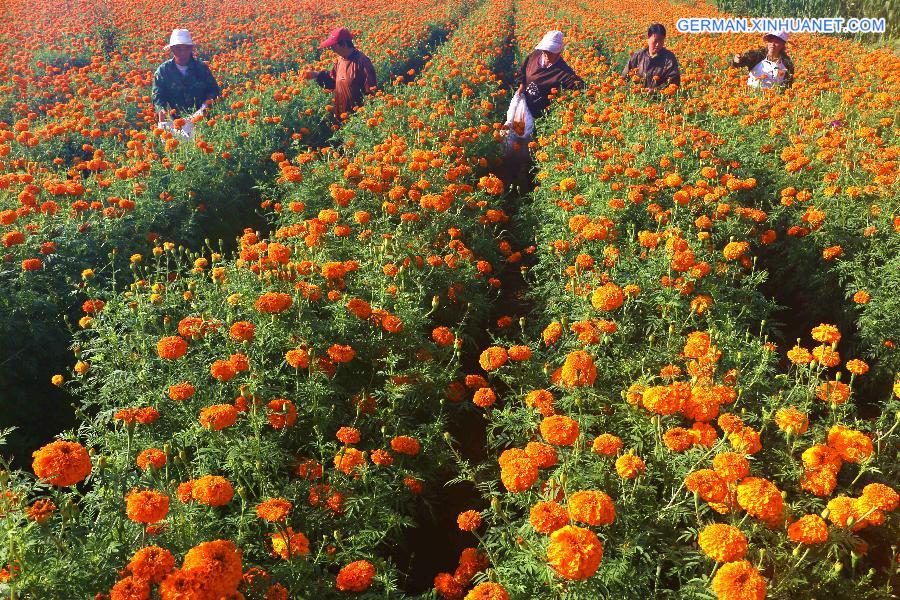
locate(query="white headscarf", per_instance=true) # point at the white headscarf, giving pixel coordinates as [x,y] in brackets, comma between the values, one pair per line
[552,42]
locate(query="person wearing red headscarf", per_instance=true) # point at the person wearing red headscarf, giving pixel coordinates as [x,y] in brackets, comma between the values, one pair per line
[352,77]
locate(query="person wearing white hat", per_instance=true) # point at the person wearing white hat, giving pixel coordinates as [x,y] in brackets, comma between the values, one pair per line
[770,65]
[183,84]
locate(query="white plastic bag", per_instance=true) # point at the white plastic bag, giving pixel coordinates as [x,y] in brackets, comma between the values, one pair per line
[519,119]
[186,131]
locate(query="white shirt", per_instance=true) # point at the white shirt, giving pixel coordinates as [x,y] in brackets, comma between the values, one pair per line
[766,74]
[183,69]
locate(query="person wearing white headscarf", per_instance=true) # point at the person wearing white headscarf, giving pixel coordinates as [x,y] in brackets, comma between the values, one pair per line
[545,70]
[770,65]
[183,84]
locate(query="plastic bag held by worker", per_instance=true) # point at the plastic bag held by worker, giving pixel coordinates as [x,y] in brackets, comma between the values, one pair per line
[519,119]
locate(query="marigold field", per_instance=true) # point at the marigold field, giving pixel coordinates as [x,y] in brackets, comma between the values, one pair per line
[288,361]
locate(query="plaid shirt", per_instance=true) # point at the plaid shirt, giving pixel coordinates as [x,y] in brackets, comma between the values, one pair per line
[754,57]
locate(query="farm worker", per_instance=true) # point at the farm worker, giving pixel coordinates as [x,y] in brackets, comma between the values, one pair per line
[183,84]
[656,65]
[542,74]
[769,65]
[352,76]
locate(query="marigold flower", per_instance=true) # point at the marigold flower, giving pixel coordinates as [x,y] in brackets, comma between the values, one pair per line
[660,400]
[542,400]
[181,391]
[559,430]
[722,543]
[242,331]
[341,354]
[289,543]
[449,587]
[746,440]
[574,552]
[282,413]
[679,439]
[171,347]
[607,297]
[349,459]
[40,510]
[184,583]
[348,435]
[487,591]
[578,370]
[799,355]
[469,520]
[882,496]
[404,444]
[146,506]
[591,507]
[151,456]
[546,517]
[493,358]
[130,588]
[220,561]
[222,370]
[484,397]
[542,455]
[731,466]
[297,358]
[518,474]
[792,421]
[629,466]
[443,336]
[552,333]
[853,446]
[274,510]
[273,302]
[61,463]
[606,444]
[760,498]
[218,416]
[735,250]
[809,530]
[355,577]
[708,484]
[151,563]
[739,580]
[212,490]
[519,353]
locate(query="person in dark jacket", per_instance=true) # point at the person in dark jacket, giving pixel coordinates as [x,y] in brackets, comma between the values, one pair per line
[352,77]
[770,65]
[656,65]
[543,73]
[183,84]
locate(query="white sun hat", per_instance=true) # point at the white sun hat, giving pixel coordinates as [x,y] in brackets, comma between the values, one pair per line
[551,42]
[179,37]
[782,35]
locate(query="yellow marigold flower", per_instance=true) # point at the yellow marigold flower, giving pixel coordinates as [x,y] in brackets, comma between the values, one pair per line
[574,552]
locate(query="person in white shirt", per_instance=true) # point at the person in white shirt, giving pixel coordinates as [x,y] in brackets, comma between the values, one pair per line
[183,85]
[769,66]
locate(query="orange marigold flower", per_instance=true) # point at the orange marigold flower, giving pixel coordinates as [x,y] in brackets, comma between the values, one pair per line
[519,353]
[881,496]
[282,413]
[443,336]
[547,517]
[274,510]
[723,543]
[697,344]
[809,530]
[151,563]
[730,422]
[151,456]
[853,446]
[212,490]
[184,583]
[218,416]
[735,250]
[487,591]
[760,498]
[449,587]
[40,510]
[731,466]
[146,506]
[61,463]
[841,510]
[821,482]
[826,356]
[836,392]
[181,391]
[348,435]
[574,552]
[629,466]
[222,370]
[355,577]
[469,520]
[130,588]
[559,430]
[591,507]
[348,460]
[484,397]
[298,358]
[862,297]
[242,331]
[289,543]
[578,370]
[857,367]
[799,355]
[825,333]
[404,444]
[221,561]
[739,580]
[341,354]
[707,484]
[661,400]
[551,333]
[542,455]
[542,400]
[493,358]
[171,347]
[745,441]
[607,444]
[273,302]
[679,439]
[607,297]
[518,474]
[792,421]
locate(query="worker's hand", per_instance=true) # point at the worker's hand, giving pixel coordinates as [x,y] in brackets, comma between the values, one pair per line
[198,115]
[309,75]
[162,116]
[736,59]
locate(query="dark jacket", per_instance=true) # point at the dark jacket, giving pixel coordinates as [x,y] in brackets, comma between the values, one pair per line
[657,72]
[752,58]
[351,79]
[184,93]
[539,81]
